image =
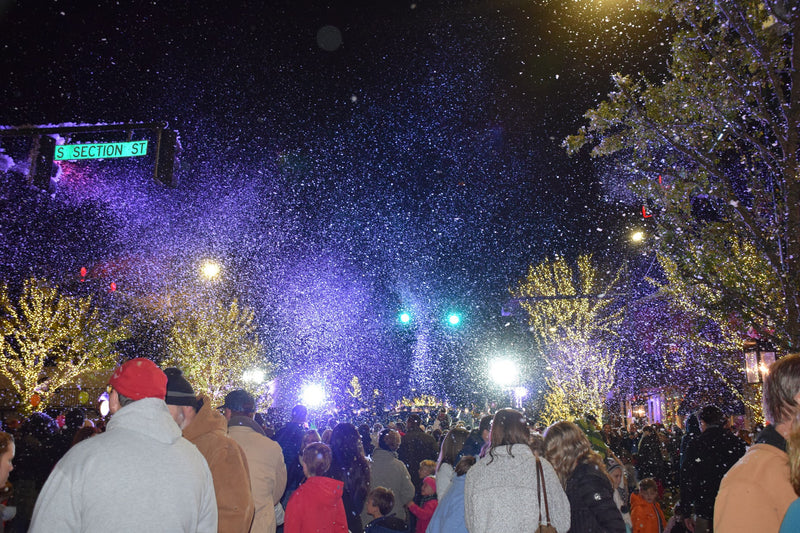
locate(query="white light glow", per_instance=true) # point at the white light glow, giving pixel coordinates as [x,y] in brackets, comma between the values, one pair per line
[313,395]
[210,269]
[503,372]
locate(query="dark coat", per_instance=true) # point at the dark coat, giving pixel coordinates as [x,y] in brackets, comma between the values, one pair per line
[650,460]
[290,439]
[706,461]
[472,446]
[415,447]
[591,501]
[386,524]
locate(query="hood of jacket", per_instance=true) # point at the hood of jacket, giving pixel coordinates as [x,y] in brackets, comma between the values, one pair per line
[207,420]
[246,421]
[327,489]
[148,416]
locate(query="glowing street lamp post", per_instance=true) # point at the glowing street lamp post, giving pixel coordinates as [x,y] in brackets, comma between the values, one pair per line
[505,374]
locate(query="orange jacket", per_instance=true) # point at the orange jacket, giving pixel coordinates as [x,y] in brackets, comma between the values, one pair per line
[645,516]
[755,493]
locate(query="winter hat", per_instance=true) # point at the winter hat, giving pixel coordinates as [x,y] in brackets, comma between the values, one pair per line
[430,481]
[179,391]
[611,465]
[240,401]
[139,378]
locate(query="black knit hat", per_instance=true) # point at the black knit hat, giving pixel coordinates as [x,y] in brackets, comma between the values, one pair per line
[179,392]
[240,401]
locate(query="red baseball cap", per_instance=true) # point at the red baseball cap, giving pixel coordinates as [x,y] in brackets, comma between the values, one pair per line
[139,378]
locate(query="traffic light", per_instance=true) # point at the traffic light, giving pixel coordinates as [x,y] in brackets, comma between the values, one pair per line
[167,148]
[42,163]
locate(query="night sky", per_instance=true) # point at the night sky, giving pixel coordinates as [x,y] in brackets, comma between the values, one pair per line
[342,160]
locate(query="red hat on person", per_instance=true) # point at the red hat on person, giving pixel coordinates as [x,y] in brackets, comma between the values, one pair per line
[430,481]
[139,378]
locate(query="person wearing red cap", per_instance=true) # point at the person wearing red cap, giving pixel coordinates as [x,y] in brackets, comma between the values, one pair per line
[140,475]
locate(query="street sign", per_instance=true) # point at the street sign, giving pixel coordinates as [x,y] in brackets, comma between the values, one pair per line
[100,151]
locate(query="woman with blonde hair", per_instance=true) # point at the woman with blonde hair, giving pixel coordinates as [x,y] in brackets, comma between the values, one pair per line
[503,492]
[584,478]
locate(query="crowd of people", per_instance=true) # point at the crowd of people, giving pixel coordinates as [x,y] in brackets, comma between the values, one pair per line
[168,460]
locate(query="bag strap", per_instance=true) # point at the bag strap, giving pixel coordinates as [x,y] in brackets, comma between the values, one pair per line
[542,492]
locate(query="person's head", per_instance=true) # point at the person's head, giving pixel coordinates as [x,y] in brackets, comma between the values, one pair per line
[380,502]
[648,490]
[464,464]
[345,443]
[451,446]
[309,437]
[7,451]
[413,421]
[427,468]
[316,459]
[239,402]
[614,470]
[389,440]
[565,446]
[711,416]
[485,428]
[781,390]
[326,436]
[508,428]
[300,414]
[181,400]
[135,380]
[428,486]
[692,424]
[75,418]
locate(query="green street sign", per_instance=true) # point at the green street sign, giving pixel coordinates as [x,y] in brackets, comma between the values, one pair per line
[100,151]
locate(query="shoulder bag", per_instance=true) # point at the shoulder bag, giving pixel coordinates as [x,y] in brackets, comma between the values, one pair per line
[544,526]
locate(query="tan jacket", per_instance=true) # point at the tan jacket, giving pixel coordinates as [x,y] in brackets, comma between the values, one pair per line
[267,470]
[228,466]
[755,493]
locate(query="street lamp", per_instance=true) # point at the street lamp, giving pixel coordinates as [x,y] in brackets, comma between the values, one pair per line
[503,372]
[758,356]
[210,269]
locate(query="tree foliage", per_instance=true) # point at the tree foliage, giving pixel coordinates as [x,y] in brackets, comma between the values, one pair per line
[722,134]
[573,316]
[49,340]
[214,345]
[712,150]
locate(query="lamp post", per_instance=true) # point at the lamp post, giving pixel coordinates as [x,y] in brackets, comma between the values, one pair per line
[758,357]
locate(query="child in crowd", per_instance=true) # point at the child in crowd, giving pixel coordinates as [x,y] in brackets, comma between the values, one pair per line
[317,504]
[427,468]
[646,513]
[620,486]
[379,506]
[424,511]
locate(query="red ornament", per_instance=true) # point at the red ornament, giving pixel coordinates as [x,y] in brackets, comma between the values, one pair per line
[112,287]
[36,400]
[83,273]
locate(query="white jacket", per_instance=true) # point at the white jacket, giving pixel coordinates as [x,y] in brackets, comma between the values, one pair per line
[140,475]
[500,493]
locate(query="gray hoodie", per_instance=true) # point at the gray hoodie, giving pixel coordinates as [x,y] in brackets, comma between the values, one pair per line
[140,475]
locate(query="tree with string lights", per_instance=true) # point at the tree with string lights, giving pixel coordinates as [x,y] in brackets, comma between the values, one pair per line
[218,349]
[713,152]
[49,340]
[573,316]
